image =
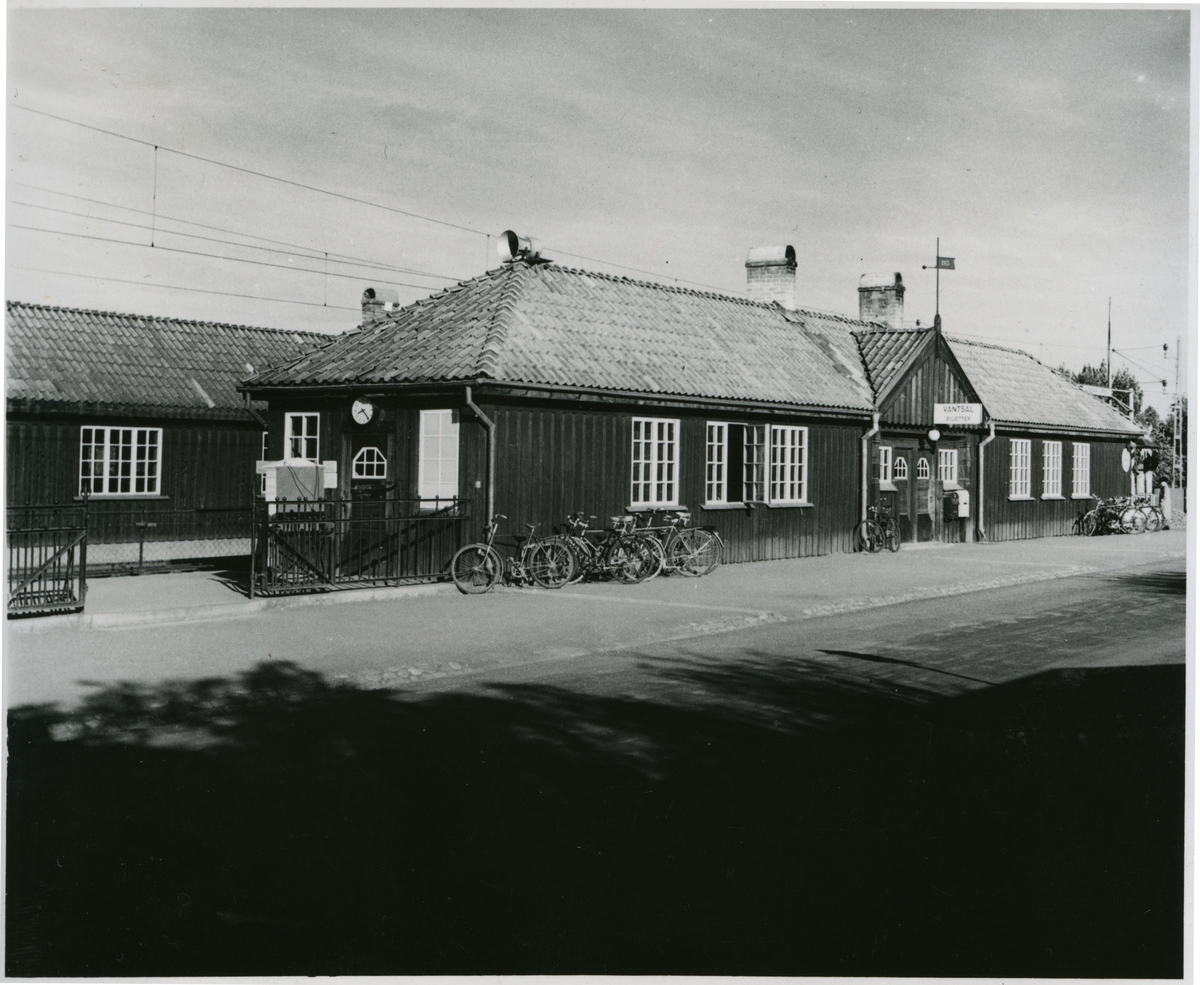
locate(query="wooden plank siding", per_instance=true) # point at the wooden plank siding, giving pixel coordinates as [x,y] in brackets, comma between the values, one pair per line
[932,380]
[1009,519]
[551,461]
[205,465]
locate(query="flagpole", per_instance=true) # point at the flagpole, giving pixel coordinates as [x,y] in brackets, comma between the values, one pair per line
[937,279]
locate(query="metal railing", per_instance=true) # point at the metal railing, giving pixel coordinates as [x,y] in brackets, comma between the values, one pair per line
[328,544]
[47,559]
[136,537]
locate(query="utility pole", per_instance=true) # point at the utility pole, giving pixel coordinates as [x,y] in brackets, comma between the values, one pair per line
[1108,360]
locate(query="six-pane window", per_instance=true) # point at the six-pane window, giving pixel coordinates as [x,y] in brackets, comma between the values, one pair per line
[922,468]
[120,461]
[654,461]
[1081,470]
[369,463]
[1051,468]
[437,474]
[300,438]
[1018,467]
[789,458]
[900,469]
[948,466]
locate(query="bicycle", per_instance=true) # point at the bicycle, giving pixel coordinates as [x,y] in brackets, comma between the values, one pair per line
[690,551]
[615,552]
[477,567]
[877,531]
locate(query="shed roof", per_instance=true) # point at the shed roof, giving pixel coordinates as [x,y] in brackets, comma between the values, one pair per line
[558,326]
[1018,389]
[71,355]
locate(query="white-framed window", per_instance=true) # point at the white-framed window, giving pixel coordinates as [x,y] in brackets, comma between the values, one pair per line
[1081,470]
[754,464]
[922,468]
[369,463]
[300,437]
[789,464]
[1051,469]
[948,467]
[1018,468]
[120,461]
[885,465]
[900,469]
[655,462]
[437,469]
[716,462]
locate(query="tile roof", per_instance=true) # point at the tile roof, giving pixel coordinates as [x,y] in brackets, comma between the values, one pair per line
[1017,389]
[558,326]
[886,353]
[71,355]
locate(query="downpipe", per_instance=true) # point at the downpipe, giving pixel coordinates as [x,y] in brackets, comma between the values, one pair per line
[866,463]
[491,456]
[980,495]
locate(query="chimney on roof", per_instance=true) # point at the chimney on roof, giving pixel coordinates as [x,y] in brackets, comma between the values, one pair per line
[881,298]
[377,303]
[771,275]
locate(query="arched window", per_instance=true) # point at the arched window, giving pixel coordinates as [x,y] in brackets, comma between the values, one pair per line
[922,468]
[900,469]
[369,463]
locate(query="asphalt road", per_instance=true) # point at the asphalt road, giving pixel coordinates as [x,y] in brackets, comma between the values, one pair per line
[987,785]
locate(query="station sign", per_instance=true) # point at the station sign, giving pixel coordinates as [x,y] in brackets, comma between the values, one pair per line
[958,414]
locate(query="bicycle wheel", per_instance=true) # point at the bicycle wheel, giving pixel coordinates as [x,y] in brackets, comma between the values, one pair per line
[551,563]
[629,559]
[476,568]
[696,552]
[659,555]
[1089,526]
[891,535]
[868,537]
[585,559]
[1154,519]
[1133,521]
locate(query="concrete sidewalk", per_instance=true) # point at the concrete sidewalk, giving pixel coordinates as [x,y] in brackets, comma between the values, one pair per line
[788,589]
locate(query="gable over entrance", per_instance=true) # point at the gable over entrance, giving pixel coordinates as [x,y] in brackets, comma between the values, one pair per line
[910,371]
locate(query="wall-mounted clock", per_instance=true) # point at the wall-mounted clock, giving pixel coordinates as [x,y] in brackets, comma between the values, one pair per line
[362,411]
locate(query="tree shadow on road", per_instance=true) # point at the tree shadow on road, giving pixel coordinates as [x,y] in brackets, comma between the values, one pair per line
[762,817]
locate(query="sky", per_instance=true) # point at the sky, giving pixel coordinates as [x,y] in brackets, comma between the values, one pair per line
[264,166]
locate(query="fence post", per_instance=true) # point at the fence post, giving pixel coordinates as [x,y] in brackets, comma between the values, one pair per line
[253,541]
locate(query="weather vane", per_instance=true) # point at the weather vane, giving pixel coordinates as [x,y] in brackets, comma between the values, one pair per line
[943,263]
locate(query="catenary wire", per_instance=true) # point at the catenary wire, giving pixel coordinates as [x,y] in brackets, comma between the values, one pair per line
[176,287]
[317,252]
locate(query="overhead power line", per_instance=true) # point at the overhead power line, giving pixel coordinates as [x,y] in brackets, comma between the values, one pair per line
[200,253]
[352,198]
[252,171]
[176,287]
[311,252]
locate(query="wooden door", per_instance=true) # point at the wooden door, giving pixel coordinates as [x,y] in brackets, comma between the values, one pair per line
[903,478]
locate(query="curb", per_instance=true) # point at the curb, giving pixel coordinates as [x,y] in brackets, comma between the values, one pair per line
[211,613]
[250,607]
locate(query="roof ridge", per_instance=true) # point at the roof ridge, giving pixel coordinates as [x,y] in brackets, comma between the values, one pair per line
[10,304]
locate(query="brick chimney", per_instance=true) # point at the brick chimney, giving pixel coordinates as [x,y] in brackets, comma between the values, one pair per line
[377,303]
[881,299]
[771,275]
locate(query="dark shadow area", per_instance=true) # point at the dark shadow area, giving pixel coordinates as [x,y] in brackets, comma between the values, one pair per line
[877,659]
[1154,582]
[781,820]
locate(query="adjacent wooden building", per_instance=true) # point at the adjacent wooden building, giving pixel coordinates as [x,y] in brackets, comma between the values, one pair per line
[537,390]
[129,408]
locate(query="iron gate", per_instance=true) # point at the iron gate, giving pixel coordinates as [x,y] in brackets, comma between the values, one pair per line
[321,545]
[47,559]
